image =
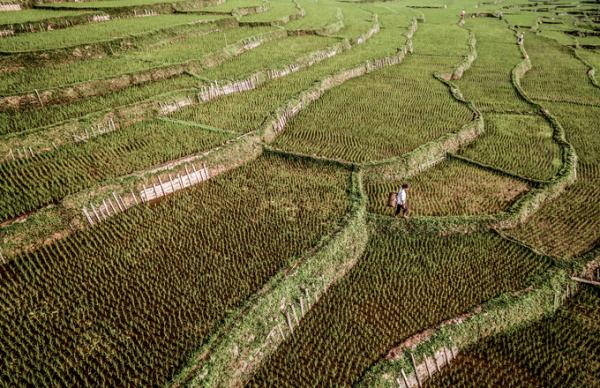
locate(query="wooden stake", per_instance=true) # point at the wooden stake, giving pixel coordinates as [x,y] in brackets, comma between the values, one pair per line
[289,320]
[404,378]
[446,356]
[135,198]
[39,98]
[2,258]
[95,213]
[105,207]
[195,173]
[116,199]
[294,314]
[187,174]
[180,180]
[437,367]
[161,185]
[112,206]
[31,151]
[205,171]
[280,330]
[87,215]
[302,306]
[10,152]
[412,358]
[427,367]
[171,182]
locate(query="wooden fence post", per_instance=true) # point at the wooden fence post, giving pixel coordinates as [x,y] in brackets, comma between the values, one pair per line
[95,213]
[404,378]
[289,320]
[87,215]
[161,185]
[412,358]
[294,314]
[427,367]
[121,208]
[134,197]
[171,182]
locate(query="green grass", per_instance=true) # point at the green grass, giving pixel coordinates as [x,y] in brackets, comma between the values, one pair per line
[401,285]
[125,302]
[452,188]
[97,32]
[520,144]
[560,350]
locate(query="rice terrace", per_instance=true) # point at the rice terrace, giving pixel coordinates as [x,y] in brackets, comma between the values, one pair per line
[291,193]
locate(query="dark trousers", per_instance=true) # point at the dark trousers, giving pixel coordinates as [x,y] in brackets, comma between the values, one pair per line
[403,208]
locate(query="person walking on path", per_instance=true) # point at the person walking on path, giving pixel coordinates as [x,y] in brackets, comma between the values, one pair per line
[520,38]
[401,201]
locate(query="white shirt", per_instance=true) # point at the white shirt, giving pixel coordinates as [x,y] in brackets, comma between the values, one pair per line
[401,197]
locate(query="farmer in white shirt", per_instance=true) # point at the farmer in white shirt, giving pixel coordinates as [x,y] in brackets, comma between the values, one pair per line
[401,201]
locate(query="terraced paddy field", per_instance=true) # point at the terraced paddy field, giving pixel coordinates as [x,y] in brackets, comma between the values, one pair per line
[204,193]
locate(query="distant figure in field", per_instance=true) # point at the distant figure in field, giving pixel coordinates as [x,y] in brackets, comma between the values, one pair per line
[401,201]
[520,38]
[461,22]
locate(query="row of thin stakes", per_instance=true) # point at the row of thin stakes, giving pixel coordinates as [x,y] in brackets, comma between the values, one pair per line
[289,317]
[117,203]
[427,368]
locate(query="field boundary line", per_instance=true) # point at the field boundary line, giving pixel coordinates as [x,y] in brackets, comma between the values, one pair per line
[198,125]
[265,321]
[497,170]
[339,162]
